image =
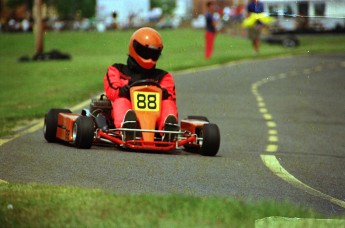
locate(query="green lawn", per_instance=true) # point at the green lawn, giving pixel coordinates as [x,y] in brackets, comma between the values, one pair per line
[48,206]
[29,89]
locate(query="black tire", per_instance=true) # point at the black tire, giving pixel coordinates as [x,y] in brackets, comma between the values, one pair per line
[211,140]
[192,149]
[50,123]
[83,132]
[203,118]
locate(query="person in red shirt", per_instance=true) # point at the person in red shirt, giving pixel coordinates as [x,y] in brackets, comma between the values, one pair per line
[145,47]
[210,29]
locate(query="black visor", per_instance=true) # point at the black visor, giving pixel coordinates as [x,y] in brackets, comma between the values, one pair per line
[146,52]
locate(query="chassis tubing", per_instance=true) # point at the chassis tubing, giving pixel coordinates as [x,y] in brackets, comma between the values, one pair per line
[137,144]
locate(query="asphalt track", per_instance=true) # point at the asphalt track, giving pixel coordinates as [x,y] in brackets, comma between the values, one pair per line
[282,125]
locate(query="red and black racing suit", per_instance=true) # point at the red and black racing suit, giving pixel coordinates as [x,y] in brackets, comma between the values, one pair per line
[119,75]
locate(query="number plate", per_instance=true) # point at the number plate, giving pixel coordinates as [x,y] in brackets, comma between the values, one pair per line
[146,101]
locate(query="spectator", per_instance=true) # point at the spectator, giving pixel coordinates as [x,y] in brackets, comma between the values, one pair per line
[239,15]
[210,33]
[25,25]
[254,32]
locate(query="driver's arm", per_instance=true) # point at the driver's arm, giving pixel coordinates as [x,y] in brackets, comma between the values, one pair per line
[168,83]
[113,81]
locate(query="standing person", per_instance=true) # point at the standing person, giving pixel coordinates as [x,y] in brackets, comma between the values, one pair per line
[239,15]
[254,32]
[145,47]
[210,33]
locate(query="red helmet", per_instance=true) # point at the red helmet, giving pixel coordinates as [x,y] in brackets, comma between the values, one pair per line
[145,46]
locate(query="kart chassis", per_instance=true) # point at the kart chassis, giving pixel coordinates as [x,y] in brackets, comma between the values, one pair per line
[195,134]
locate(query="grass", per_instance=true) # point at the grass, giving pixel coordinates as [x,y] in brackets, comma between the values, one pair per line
[29,89]
[47,206]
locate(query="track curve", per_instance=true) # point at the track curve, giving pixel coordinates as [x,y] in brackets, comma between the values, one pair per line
[305,101]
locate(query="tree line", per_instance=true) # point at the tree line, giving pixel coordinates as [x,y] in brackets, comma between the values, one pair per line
[68,9]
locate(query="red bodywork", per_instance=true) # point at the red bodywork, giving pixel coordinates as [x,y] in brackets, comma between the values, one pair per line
[146,102]
[65,126]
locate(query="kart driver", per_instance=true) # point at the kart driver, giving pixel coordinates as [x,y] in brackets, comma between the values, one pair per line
[145,47]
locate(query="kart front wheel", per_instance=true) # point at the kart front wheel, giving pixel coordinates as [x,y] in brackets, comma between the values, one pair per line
[203,118]
[83,132]
[211,140]
[51,122]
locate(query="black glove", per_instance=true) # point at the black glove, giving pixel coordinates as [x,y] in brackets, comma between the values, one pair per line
[124,92]
[165,94]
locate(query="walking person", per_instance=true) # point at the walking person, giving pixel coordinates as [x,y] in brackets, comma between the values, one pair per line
[210,33]
[254,32]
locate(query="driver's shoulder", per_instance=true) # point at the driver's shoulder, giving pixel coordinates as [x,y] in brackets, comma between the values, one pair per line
[119,66]
[160,73]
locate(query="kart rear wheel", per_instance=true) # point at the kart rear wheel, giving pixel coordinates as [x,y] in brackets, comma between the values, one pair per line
[51,122]
[83,132]
[211,140]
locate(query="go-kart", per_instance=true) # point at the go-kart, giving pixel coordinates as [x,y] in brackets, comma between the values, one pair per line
[195,133]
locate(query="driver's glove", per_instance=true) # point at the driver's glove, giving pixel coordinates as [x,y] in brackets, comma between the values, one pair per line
[165,94]
[124,92]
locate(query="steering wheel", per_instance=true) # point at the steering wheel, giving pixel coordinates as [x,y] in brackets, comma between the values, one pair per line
[145,82]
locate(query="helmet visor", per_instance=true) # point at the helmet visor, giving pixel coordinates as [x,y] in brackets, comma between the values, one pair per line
[146,52]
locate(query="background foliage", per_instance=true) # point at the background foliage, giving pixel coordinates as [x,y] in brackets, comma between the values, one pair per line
[167,6]
[67,9]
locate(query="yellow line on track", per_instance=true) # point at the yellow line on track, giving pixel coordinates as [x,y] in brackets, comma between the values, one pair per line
[271,124]
[27,131]
[3,182]
[37,126]
[40,124]
[273,164]
[271,148]
[271,161]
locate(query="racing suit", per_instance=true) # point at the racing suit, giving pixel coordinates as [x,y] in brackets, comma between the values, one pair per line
[119,75]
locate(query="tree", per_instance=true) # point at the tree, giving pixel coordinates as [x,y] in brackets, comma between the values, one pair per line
[167,6]
[39,27]
[14,3]
[68,9]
